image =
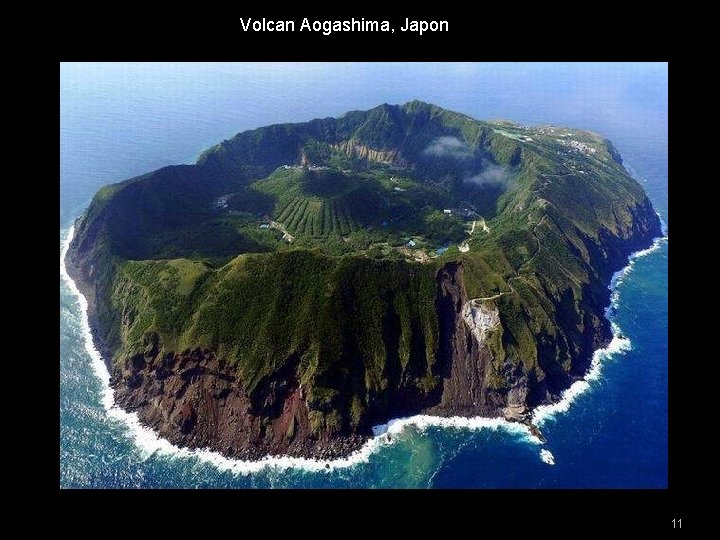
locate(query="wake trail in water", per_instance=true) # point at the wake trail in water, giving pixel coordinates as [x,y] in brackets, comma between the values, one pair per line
[150,443]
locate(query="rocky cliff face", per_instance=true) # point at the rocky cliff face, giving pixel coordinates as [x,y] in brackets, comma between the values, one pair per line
[465,357]
[194,400]
[354,148]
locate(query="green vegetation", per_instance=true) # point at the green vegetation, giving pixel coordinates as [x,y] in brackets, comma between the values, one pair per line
[321,309]
[322,203]
[198,255]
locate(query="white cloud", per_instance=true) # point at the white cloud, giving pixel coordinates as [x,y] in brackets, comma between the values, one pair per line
[448,147]
[492,174]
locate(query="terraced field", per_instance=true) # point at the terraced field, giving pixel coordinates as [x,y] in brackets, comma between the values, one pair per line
[338,216]
[323,203]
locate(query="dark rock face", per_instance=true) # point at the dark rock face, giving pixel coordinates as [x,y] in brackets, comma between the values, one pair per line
[193,400]
[465,361]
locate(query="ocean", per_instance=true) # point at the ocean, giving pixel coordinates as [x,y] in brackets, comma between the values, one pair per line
[611,431]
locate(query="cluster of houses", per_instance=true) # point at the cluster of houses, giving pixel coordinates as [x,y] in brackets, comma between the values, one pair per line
[464,212]
[579,146]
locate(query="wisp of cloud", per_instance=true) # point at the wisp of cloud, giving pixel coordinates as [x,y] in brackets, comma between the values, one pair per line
[491,174]
[448,147]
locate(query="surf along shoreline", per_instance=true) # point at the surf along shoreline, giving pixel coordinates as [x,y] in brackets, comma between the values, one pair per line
[150,443]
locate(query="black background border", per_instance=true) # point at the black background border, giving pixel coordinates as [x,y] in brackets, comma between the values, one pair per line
[511,33]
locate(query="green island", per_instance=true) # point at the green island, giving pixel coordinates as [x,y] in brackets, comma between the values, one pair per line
[302,283]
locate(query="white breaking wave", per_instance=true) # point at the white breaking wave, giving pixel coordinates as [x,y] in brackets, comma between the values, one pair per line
[663,225]
[150,443]
[618,345]
[547,457]
[619,276]
[424,421]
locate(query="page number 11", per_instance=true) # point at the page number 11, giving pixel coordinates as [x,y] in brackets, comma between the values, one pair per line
[677,523]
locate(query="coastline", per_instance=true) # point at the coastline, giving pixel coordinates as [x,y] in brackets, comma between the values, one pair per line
[149,442]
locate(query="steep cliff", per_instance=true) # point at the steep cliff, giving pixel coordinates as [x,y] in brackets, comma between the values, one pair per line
[355,149]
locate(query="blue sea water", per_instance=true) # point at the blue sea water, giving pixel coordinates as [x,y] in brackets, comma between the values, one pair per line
[119,120]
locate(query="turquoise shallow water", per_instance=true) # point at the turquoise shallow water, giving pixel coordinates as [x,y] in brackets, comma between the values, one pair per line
[119,120]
